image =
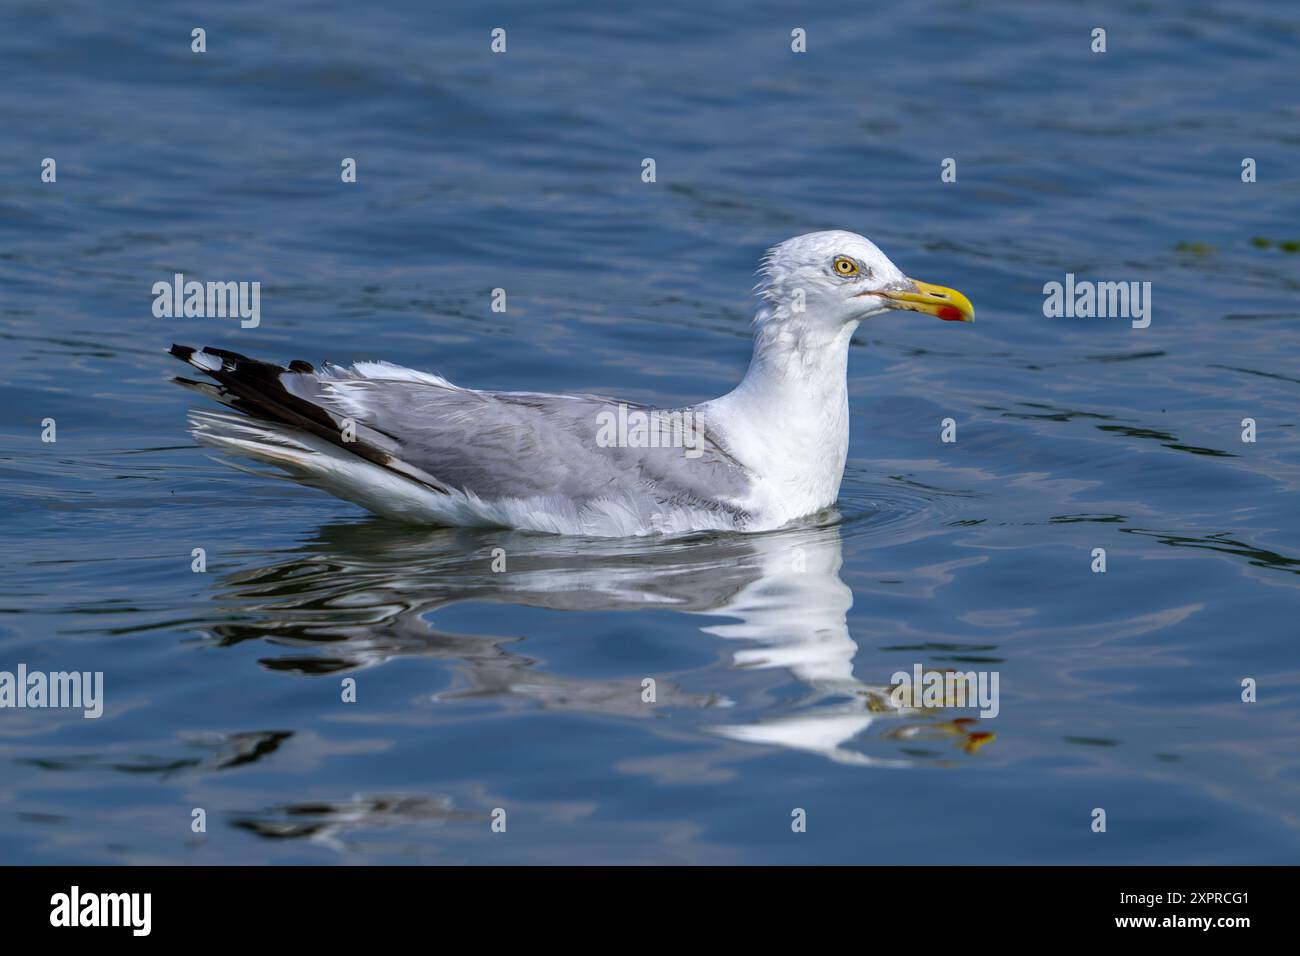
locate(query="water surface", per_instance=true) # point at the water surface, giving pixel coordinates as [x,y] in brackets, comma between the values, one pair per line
[522,690]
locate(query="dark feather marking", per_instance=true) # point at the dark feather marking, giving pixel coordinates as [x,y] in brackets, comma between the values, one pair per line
[256,390]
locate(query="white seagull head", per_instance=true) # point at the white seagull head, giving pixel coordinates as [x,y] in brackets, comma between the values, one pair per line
[836,278]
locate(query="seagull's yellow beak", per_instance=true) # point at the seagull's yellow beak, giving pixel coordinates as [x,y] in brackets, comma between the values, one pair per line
[948,304]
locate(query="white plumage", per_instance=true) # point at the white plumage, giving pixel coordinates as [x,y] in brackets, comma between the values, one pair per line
[414,447]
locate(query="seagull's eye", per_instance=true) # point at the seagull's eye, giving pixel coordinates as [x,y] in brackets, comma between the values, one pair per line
[844,266]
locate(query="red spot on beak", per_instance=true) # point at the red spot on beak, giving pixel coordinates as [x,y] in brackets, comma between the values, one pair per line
[950,313]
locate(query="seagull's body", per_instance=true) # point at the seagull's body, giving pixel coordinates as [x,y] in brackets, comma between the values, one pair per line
[412,446]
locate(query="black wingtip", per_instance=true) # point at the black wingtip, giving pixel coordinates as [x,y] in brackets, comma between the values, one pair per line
[182,352]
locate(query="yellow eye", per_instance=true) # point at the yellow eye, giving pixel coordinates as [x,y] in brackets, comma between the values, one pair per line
[845,266]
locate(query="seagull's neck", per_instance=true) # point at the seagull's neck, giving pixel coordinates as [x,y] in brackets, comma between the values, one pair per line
[796,369]
[788,419]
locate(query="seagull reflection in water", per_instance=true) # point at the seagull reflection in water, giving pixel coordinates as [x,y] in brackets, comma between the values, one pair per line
[359,595]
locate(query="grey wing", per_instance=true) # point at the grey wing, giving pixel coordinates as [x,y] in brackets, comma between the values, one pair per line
[517,444]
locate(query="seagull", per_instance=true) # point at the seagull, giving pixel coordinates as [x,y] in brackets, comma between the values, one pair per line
[412,447]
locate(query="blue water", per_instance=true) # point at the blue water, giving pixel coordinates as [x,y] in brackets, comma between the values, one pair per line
[522,690]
